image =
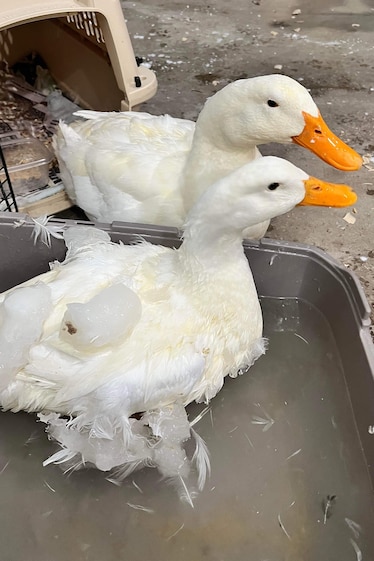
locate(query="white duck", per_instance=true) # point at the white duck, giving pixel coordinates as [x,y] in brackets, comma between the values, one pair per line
[137,167]
[116,330]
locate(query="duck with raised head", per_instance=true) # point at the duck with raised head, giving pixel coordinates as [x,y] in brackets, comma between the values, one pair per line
[137,167]
[117,330]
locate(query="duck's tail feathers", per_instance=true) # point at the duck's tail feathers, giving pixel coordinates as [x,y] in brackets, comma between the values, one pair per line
[124,446]
[66,134]
[92,115]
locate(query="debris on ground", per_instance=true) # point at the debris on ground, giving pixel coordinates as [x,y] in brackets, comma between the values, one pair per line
[368,161]
[349,218]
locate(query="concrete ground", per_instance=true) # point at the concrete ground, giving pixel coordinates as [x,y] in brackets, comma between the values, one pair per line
[196,48]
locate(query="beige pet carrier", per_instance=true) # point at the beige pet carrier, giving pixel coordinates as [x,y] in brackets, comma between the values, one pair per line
[86,46]
[86,53]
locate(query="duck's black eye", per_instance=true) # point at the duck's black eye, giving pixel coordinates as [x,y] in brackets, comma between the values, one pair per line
[273,186]
[272,103]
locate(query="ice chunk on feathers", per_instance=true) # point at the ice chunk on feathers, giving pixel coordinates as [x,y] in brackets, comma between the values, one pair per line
[79,237]
[107,317]
[155,440]
[22,314]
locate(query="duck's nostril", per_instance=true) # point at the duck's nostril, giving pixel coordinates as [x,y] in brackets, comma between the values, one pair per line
[316,188]
[317,131]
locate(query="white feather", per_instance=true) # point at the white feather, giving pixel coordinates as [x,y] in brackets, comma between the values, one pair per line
[201,458]
[198,417]
[62,456]
[43,229]
[184,493]
[357,550]
[124,471]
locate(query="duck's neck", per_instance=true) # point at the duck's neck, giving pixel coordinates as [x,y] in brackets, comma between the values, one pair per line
[209,160]
[210,244]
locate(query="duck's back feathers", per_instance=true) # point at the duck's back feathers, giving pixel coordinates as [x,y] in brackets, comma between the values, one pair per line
[125,166]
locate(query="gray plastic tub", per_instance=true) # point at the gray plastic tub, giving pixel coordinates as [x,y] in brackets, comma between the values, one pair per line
[291,443]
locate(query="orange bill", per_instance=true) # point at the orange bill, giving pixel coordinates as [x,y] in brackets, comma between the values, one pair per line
[320,193]
[317,137]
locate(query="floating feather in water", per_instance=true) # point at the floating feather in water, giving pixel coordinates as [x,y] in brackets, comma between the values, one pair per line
[357,550]
[137,487]
[184,494]
[201,459]
[140,507]
[114,481]
[354,527]
[328,504]
[175,533]
[4,467]
[283,528]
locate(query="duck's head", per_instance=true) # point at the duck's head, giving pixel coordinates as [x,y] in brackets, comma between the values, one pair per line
[260,190]
[274,108]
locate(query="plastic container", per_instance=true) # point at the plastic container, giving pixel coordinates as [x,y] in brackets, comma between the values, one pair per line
[86,46]
[7,199]
[291,442]
[28,163]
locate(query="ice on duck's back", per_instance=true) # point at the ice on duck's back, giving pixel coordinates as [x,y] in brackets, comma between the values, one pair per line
[78,237]
[22,314]
[103,320]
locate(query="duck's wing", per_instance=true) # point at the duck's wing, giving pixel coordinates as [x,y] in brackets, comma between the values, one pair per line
[89,300]
[109,380]
[126,375]
[104,332]
[126,166]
